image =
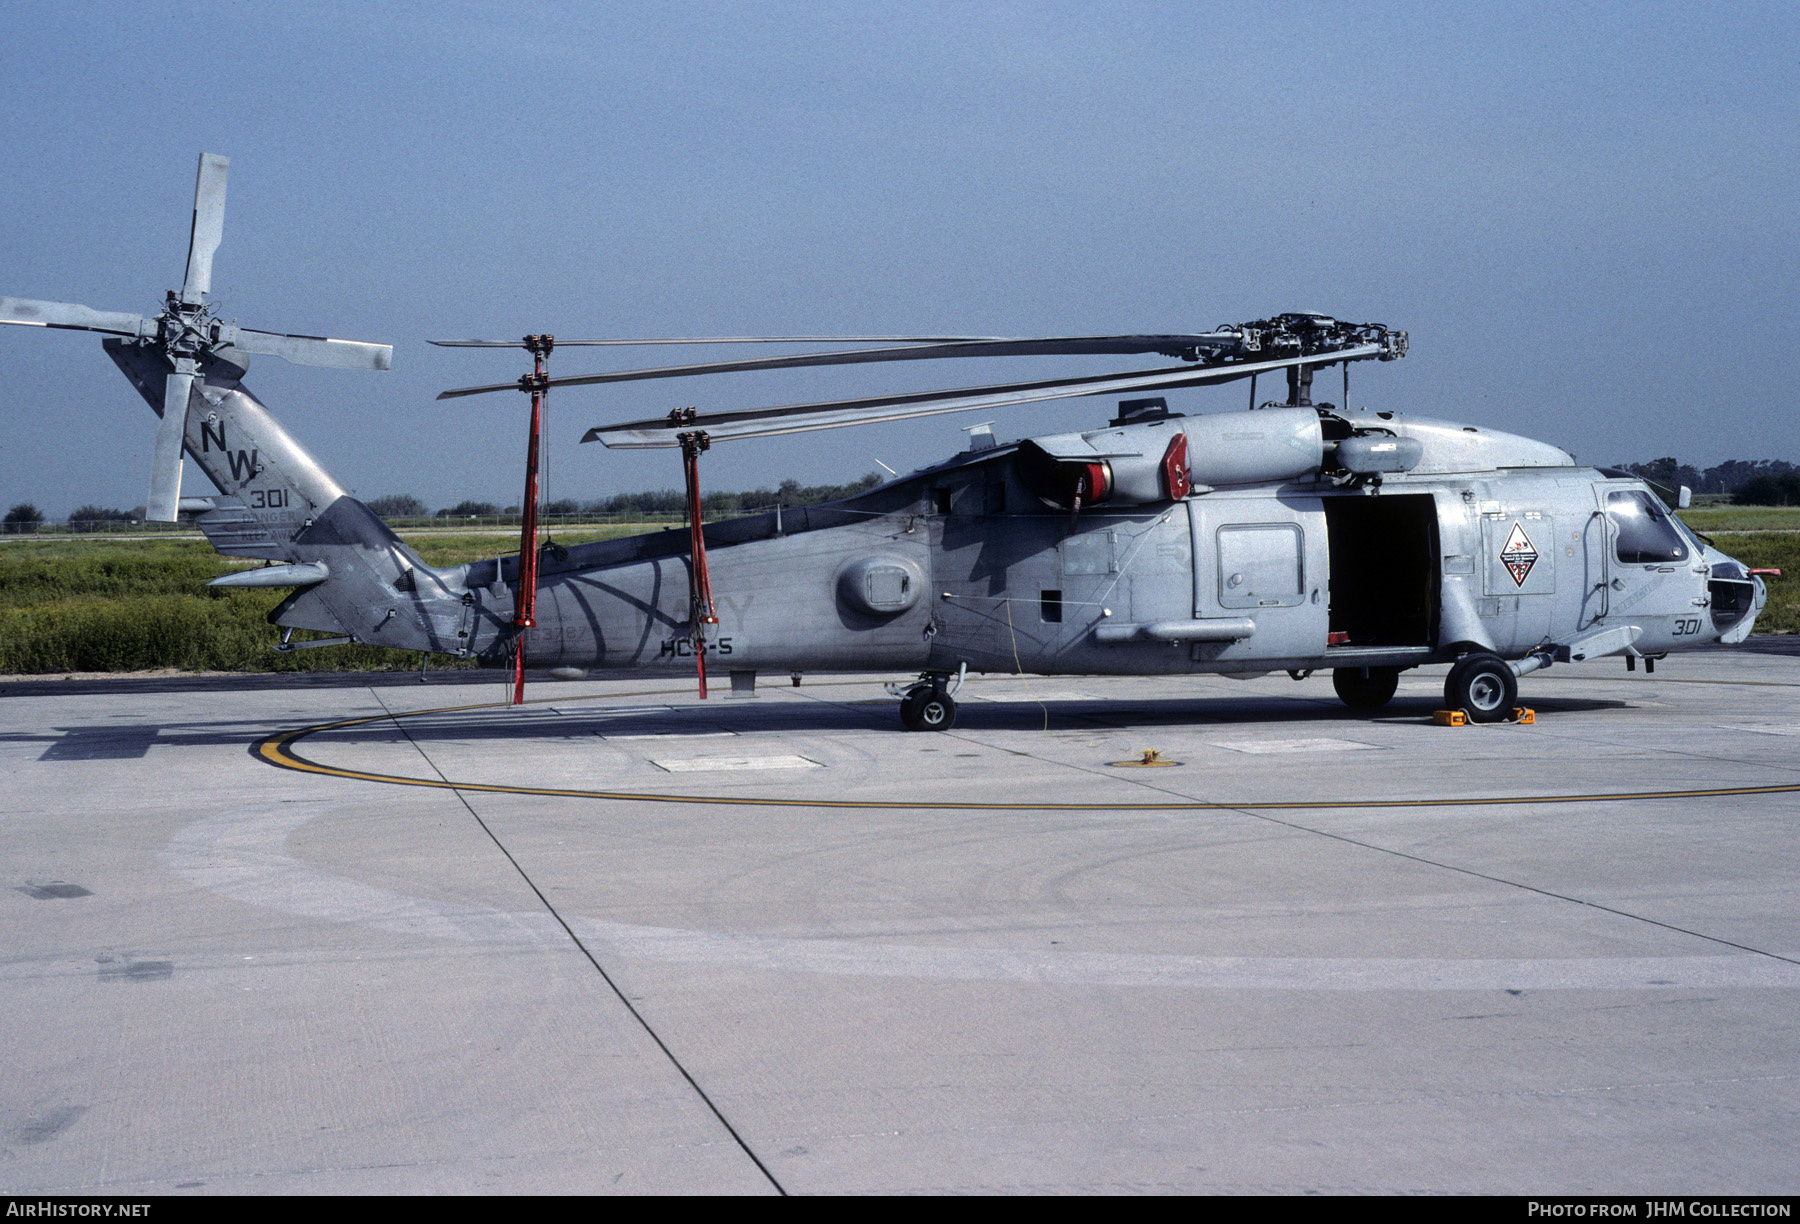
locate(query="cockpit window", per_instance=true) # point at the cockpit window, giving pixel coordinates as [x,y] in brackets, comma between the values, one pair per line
[1647,536]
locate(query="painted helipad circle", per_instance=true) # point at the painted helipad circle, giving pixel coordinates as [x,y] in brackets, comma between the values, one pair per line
[280,750]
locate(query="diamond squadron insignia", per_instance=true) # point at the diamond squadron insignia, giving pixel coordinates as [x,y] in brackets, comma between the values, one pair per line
[1517,554]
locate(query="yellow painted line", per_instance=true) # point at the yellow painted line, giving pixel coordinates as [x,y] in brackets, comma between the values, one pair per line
[278,750]
[1537,676]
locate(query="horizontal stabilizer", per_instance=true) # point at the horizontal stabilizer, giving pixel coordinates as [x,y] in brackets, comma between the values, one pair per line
[300,575]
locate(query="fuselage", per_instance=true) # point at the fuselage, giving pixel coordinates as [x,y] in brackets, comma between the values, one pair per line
[1489,542]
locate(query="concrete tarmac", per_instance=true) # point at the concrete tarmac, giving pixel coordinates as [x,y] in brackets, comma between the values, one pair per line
[780,944]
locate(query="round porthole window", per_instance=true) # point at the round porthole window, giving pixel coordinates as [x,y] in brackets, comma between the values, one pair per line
[880,586]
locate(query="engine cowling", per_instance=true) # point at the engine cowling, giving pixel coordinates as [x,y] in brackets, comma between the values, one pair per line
[1165,460]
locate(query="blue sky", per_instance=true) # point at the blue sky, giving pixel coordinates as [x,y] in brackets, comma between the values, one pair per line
[1583,213]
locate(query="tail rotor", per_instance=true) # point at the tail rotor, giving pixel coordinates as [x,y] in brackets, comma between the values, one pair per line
[187,334]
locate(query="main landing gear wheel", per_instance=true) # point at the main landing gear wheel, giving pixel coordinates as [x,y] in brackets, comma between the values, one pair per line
[926,709]
[1484,686]
[1365,688]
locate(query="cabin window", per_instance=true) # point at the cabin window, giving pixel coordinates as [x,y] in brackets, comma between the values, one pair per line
[1050,607]
[1646,534]
[888,587]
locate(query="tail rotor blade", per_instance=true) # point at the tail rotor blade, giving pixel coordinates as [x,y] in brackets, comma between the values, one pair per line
[315,350]
[27,313]
[209,226]
[165,461]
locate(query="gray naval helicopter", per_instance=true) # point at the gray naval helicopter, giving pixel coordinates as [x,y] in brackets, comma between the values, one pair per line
[1288,537]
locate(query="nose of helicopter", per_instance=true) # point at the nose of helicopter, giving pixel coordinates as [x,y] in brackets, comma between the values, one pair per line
[1736,595]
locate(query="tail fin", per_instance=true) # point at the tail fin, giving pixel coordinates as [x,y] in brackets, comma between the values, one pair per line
[278,504]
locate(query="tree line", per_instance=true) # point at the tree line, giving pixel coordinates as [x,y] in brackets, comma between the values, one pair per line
[25,518]
[625,505]
[1750,482]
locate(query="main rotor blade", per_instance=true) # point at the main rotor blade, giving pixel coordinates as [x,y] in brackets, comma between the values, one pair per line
[208,228]
[723,340]
[798,418]
[28,313]
[313,350]
[1048,346]
[165,460]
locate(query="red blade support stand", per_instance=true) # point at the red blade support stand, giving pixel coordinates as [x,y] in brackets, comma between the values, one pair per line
[700,600]
[525,602]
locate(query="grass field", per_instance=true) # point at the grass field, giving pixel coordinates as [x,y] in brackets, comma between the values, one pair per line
[74,603]
[1742,518]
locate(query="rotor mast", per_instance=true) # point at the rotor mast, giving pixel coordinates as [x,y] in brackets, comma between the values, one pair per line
[701,612]
[1299,381]
[537,383]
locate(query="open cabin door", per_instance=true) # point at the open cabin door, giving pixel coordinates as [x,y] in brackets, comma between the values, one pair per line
[1384,570]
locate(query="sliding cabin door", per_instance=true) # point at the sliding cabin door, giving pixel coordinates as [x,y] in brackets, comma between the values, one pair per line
[1263,558]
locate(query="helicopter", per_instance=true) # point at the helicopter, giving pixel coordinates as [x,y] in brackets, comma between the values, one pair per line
[1288,536]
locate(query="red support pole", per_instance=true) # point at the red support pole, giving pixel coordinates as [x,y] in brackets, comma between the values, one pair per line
[525,601]
[700,600]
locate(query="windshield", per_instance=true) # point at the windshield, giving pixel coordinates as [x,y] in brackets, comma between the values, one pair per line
[1647,536]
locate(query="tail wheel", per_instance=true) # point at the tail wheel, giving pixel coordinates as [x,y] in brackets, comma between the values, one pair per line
[925,710]
[1365,688]
[1484,686]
